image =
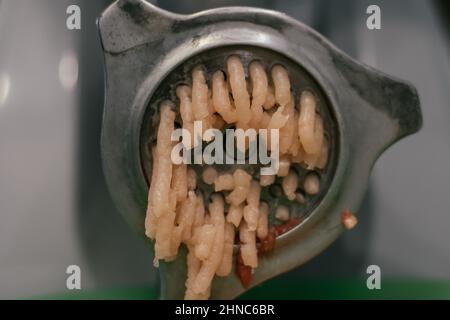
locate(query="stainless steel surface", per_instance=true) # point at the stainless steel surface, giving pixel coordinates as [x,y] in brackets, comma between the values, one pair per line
[143,44]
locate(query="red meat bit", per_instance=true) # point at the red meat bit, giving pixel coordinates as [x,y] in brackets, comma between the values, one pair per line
[244,272]
[285,227]
[266,246]
[348,219]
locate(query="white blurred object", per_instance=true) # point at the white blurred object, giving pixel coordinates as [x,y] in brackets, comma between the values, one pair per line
[5,84]
[68,70]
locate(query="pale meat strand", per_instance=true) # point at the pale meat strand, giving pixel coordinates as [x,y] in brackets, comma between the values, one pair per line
[207,122]
[199,220]
[284,165]
[270,99]
[218,122]
[226,263]
[199,211]
[310,134]
[282,85]
[187,215]
[210,265]
[237,196]
[294,149]
[175,241]
[239,89]
[179,181]
[290,184]
[209,175]
[150,218]
[299,156]
[199,94]
[279,119]
[263,223]
[162,181]
[265,120]
[163,235]
[311,184]
[282,213]
[204,241]
[312,160]
[248,249]
[242,184]
[323,159]
[191,179]
[166,224]
[251,210]
[221,98]
[224,182]
[267,180]
[288,133]
[164,198]
[184,94]
[193,267]
[235,214]
[258,79]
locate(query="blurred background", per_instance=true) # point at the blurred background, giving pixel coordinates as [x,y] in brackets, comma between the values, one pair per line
[55,209]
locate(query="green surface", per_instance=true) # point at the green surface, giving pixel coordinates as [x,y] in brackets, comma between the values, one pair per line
[300,289]
[350,289]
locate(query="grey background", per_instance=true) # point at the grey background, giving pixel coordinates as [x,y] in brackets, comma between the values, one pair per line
[54,206]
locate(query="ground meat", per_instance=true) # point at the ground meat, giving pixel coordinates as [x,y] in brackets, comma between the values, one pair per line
[348,219]
[244,272]
[266,246]
[285,227]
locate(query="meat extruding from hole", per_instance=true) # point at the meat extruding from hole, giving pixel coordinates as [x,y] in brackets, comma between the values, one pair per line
[181,211]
